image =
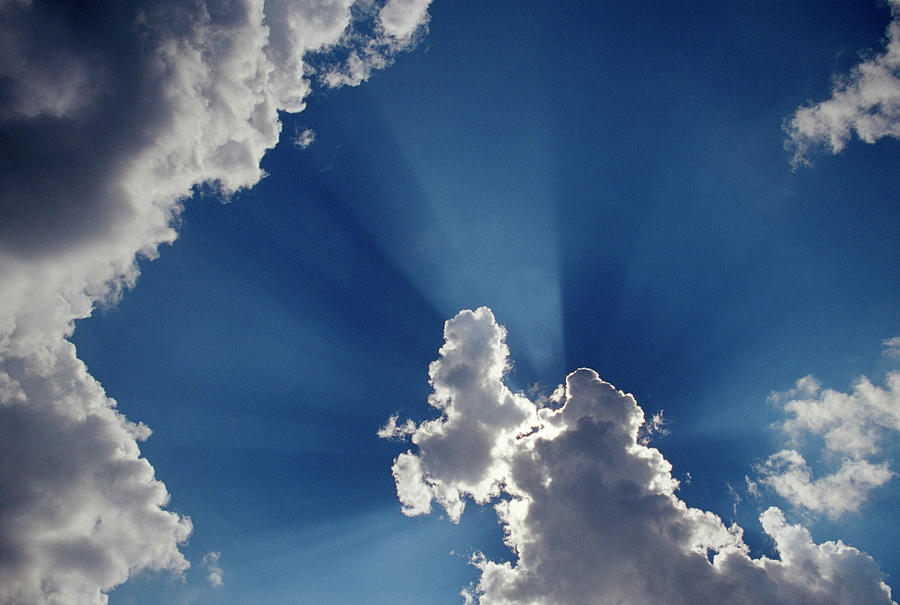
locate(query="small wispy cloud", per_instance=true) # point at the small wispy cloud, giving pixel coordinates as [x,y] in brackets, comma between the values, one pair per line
[392,430]
[656,426]
[304,138]
[892,347]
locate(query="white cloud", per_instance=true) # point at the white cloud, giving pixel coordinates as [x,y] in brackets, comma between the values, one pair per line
[305,138]
[373,39]
[216,576]
[80,509]
[589,511]
[854,427]
[401,19]
[834,494]
[108,118]
[656,425]
[854,424]
[866,102]
[392,430]
[892,347]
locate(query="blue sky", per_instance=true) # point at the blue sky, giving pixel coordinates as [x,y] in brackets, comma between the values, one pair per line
[610,180]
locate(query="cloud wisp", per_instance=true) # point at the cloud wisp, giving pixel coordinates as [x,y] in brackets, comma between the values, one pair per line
[109,115]
[589,511]
[865,102]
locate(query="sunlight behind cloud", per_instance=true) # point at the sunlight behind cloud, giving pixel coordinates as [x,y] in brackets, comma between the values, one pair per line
[462,247]
[549,471]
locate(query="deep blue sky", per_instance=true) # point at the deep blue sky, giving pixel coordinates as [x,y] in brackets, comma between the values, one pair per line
[610,180]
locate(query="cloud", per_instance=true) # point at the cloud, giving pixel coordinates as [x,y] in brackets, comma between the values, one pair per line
[305,138]
[855,428]
[80,507]
[591,513]
[375,35]
[867,102]
[392,430]
[853,424]
[834,494]
[109,114]
[216,576]
[401,19]
[892,347]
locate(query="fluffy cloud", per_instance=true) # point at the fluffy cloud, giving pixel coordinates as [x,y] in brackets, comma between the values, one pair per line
[388,29]
[589,511]
[215,575]
[109,114]
[866,102]
[834,494]
[854,428]
[80,507]
[401,19]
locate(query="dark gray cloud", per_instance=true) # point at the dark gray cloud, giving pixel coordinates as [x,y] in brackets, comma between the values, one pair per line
[110,112]
[75,106]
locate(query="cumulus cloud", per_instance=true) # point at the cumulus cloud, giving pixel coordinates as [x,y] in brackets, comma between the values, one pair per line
[373,37]
[79,507]
[854,427]
[215,575]
[867,102]
[833,494]
[591,513]
[401,19]
[109,114]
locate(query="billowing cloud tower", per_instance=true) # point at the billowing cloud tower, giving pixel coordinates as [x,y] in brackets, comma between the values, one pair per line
[587,507]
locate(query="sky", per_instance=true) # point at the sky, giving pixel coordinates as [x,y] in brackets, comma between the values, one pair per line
[400,301]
